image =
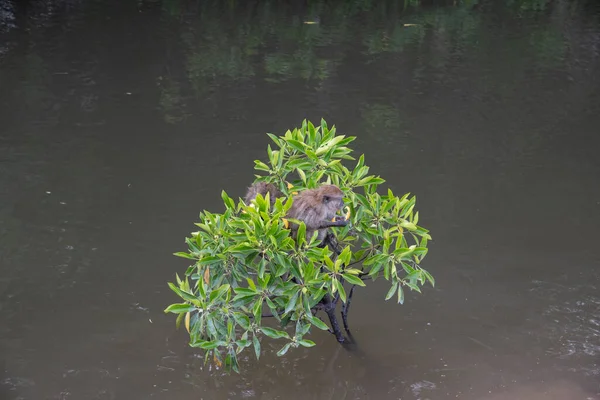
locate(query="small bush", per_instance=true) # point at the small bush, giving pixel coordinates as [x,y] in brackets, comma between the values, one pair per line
[246,267]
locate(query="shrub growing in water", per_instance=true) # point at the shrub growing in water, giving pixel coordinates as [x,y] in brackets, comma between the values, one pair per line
[246,265]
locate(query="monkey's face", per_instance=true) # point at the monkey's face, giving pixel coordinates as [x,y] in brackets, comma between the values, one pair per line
[333,204]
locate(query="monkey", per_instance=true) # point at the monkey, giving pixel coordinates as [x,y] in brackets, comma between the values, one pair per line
[263,188]
[317,208]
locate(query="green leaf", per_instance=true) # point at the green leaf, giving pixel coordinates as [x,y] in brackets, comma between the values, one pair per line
[324,148]
[408,268]
[180,308]
[256,344]
[261,166]
[340,289]
[292,303]
[353,280]
[217,294]
[392,290]
[257,311]
[323,126]
[413,286]
[302,175]
[262,266]
[428,277]
[400,294]
[209,345]
[210,326]
[242,320]
[301,236]
[302,327]
[306,343]
[228,201]
[182,294]
[275,139]
[406,224]
[284,349]
[318,323]
[420,251]
[246,292]
[178,320]
[345,255]
[296,145]
[209,260]
[229,328]
[183,254]
[274,333]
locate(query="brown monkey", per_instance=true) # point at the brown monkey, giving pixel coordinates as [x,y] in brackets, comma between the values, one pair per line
[317,208]
[262,188]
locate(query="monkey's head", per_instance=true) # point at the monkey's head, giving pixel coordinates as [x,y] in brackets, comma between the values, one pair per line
[332,198]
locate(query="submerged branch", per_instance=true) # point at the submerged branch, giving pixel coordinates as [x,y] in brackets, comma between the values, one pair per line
[330,310]
[346,308]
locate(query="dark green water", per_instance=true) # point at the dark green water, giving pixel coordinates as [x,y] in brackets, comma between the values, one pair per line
[120,121]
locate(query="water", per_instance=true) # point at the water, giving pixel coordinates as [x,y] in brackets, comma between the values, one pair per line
[122,120]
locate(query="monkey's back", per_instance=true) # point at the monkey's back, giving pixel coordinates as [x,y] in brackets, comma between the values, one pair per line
[308,207]
[262,188]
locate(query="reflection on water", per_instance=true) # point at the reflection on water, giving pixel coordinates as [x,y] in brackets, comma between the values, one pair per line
[122,120]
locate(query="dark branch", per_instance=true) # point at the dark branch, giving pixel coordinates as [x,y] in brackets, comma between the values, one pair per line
[331,241]
[346,308]
[330,310]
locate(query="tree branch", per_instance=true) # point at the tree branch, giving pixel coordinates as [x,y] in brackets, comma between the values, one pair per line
[346,308]
[330,310]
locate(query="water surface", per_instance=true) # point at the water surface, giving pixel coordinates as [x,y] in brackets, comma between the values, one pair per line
[120,121]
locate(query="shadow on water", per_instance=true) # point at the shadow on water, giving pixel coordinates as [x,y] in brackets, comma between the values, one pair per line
[122,120]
